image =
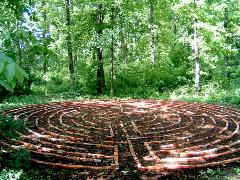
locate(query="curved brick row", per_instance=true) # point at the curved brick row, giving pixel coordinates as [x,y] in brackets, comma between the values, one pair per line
[161,136]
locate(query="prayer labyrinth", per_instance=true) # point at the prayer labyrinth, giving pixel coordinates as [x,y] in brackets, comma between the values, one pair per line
[159,136]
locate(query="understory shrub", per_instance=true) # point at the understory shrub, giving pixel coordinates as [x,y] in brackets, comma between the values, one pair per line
[9,127]
[10,174]
[150,76]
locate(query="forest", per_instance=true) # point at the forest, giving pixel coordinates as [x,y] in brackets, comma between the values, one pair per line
[77,50]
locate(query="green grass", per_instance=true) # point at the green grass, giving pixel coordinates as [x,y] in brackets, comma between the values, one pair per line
[210,93]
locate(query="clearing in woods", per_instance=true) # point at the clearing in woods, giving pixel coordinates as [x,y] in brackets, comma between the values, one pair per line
[142,135]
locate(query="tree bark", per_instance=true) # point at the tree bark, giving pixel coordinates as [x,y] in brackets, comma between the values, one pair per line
[75,59]
[112,55]
[69,42]
[17,40]
[195,56]
[101,87]
[123,47]
[174,29]
[45,63]
[152,33]
[226,42]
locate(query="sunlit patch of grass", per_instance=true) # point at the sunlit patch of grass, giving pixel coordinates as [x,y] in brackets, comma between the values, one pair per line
[210,93]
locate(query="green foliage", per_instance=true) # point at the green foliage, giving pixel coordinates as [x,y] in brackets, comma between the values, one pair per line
[17,159]
[147,77]
[20,158]
[237,170]
[9,127]
[213,173]
[10,73]
[10,174]
[210,92]
[34,59]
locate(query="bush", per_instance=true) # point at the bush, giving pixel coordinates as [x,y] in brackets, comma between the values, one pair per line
[20,89]
[9,127]
[10,174]
[16,159]
[20,158]
[147,76]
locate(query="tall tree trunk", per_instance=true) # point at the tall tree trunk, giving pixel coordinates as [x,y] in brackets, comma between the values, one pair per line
[195,56]
[123,46]
[17,40]
[226,42]
[174,30]
[135,38]
[195,53]
[123,51]
[101,87]
[45,63]
[152,33]
[69,42]
[75,59]
[174,43]
[112,55]
[94,50]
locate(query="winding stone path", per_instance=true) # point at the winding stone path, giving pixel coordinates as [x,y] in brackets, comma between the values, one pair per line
[151,135]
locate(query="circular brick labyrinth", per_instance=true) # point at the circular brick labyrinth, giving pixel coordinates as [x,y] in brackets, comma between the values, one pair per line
[151,135]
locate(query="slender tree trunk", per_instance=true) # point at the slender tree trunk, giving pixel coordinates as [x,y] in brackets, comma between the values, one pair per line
[226,42]
[94,50]
[19,51]
[75,59]
[18,41]
[152,33]
[123,51]
[174,30]
[123,46]
[197,74]
[45,63]
[135,39]
[174,43]
[112,66]
[101,87]
[69,42]
[195,56]
[112,55]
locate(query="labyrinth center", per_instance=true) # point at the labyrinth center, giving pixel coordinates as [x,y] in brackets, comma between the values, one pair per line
[154,135]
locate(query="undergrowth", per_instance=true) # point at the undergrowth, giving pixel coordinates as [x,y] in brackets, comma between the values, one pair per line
[210,93]
[9,127]
[13,161]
